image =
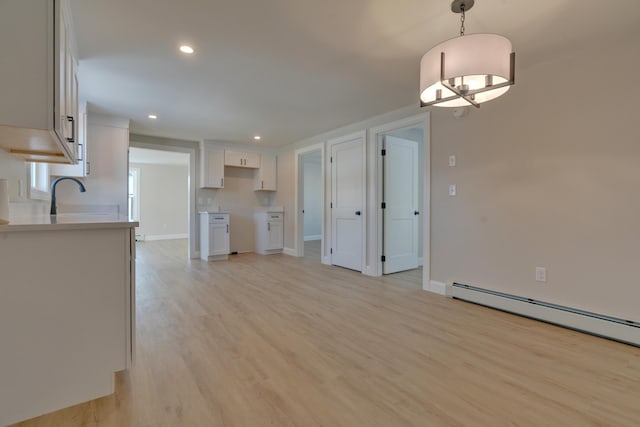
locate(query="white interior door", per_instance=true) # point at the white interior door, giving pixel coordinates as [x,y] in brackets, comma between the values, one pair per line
[347,191]
[401,198]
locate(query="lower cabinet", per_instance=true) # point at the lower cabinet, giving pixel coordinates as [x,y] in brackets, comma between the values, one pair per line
[269,229]
[214,236]
[65,327]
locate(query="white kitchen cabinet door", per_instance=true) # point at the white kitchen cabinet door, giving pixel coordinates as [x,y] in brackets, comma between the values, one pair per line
[80,169]
[269,232]
[241,159]
[275,235]
[219,239]
[211,167]
[40,74]
[265,177]
[214,236]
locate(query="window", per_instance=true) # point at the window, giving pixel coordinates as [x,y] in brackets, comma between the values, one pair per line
[39,181]
[134,194]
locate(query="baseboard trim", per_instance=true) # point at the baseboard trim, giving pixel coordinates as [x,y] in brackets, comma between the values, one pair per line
[166,237]
[313,237]
[290,252]
[437,287]
[593,323]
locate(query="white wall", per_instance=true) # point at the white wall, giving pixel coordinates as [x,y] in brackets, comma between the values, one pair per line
[547,176]
[164,200]
[312,178]
[15,171]
[107,152]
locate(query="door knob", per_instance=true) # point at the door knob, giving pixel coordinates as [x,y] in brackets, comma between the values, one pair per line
[357,212]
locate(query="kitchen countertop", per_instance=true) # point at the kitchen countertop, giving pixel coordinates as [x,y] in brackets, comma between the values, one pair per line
[67,222]
[274,209]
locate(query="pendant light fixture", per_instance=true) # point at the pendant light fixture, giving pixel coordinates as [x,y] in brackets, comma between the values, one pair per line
[467,70]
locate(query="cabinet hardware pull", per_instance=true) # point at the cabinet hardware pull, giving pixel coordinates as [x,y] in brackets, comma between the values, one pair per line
[227,228]
[73,129]
[416,213]
[358,212]
[262,185]
[268,226]
[221,182]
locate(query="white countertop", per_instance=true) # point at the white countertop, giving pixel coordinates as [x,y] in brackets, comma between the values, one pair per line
[67,222]
[275,209]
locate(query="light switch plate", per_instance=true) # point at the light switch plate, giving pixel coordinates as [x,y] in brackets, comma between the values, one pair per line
[453,190]
[452,161]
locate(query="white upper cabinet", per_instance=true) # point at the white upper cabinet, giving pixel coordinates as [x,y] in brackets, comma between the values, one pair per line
[38,82]
[241,159]
[211,167]
[80,169]
[265,177]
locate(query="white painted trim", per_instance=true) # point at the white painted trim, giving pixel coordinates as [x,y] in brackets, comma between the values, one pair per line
[298,221]
[420,261]
[290,251]
[366,269]
[436,287]
[568,319]
[313,237]
[166,237]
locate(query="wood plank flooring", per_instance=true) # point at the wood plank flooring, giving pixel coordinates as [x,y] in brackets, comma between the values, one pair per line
[283,341]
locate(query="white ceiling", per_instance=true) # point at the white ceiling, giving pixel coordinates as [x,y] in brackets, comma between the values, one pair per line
[291,69]
[157,157]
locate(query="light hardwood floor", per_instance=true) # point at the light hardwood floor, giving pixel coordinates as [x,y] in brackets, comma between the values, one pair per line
[283,341]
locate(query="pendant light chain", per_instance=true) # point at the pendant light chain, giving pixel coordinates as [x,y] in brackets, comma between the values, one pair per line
[462,20]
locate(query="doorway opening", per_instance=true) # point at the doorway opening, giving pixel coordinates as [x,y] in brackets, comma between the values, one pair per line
[403,211]
[309,203]
[159,196]
[312,204]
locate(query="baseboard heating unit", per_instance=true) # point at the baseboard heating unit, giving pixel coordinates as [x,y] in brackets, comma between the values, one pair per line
[625,331]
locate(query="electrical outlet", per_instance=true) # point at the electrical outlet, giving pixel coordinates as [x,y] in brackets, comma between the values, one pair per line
[541,274]
[452,190]
[452,161]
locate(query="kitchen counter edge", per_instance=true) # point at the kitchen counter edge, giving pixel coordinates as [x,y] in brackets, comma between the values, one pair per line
[67,222]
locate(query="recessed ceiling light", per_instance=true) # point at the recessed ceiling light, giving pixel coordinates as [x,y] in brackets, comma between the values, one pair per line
[257,137]
[152,116]
[186,49]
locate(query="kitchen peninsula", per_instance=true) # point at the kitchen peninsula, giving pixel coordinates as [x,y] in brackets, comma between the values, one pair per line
[67,310]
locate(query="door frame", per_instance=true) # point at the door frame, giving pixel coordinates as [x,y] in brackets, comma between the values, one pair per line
[327,232]
[376,133]
[193,248]
[298,219]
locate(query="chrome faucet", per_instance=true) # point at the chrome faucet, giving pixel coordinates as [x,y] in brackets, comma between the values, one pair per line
[53,191]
